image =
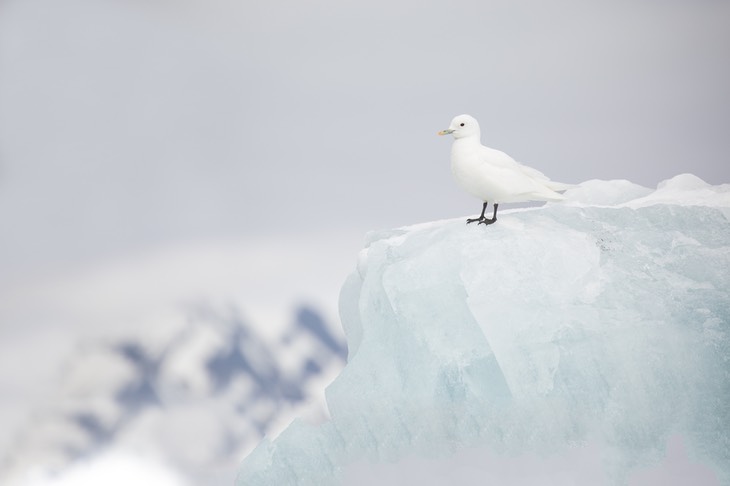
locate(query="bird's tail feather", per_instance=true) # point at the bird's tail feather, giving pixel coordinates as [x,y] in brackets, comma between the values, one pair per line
[558,186]
[544,195]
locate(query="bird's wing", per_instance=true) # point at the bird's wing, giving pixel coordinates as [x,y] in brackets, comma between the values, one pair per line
[501,159]
[505,184]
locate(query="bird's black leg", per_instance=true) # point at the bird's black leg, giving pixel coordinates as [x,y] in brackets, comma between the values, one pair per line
[494,216]
[481,218]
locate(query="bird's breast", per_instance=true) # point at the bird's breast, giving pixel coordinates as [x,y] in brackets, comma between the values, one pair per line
[472,173]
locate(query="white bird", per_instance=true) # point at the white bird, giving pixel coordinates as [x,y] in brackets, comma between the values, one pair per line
[492,175]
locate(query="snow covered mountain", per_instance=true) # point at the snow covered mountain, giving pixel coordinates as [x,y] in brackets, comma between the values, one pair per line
[195,393]
[576,343]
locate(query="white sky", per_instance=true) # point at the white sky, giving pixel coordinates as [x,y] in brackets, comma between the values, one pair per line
[126,124]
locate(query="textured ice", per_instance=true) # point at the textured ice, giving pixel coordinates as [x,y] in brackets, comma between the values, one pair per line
[595,331]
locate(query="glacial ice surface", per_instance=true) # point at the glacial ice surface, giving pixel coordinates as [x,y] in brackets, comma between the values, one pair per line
[596,330]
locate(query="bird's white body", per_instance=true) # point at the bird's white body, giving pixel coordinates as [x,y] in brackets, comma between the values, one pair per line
[492,175]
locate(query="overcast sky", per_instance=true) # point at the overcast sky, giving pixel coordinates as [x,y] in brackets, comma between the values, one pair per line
[125,124]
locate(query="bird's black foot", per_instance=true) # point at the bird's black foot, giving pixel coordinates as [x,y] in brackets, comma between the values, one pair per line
[481,219]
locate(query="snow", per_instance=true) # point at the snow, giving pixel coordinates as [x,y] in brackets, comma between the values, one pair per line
[114,470]
[189,395]
[75,318]
[687,190]
[574,343]
[605,193]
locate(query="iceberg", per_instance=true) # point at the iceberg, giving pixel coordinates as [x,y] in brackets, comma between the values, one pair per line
[568,344]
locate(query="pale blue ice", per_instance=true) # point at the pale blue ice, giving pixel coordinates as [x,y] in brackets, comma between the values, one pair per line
[575,343]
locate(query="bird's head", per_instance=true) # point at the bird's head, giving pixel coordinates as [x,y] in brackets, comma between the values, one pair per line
[462,126]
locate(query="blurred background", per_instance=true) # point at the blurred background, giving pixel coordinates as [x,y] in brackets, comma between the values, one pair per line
[184,186]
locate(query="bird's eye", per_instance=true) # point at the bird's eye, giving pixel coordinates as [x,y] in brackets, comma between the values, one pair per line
[461,125]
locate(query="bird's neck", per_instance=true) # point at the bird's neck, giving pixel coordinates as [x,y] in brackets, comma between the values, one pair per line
[467,142]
